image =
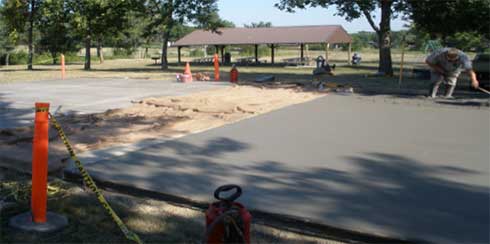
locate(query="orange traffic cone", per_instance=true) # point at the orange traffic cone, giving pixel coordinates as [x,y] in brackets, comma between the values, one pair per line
[187,73]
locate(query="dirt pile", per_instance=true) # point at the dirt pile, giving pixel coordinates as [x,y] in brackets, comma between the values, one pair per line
[165,117]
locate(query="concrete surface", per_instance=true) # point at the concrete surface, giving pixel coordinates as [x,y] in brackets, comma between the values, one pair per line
[392,169]
[83,95]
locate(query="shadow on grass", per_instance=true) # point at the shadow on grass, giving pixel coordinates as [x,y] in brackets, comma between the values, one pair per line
[154,221]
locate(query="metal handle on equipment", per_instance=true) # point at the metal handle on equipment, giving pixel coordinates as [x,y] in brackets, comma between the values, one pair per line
[226,188]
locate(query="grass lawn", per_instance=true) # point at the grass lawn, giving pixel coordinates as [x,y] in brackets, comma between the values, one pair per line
[146,69]
[361,77]
[154,221]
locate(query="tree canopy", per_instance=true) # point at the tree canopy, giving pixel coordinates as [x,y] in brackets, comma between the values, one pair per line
[61,26]
[445,18]
[92,19]
[166,15]
[354,9]
[55,37]
[261,24]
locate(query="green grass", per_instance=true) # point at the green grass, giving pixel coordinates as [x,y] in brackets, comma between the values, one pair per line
[154,221]
[359,77]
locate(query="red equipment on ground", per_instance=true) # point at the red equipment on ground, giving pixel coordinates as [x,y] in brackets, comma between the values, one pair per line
[234,75]
[227,221]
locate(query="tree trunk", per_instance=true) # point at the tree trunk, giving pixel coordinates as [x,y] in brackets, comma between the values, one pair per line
[54,56]
[7,59]
[384,39]
[100,53]
[87,53]
[164,61]
[29,38]
[166,36]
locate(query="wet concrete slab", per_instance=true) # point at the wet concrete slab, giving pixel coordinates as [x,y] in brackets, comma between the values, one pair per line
[392,169]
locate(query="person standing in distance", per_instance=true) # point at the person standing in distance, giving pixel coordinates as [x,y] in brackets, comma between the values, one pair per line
[446,65]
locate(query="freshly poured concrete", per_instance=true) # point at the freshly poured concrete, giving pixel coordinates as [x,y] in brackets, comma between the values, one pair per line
[418,172]
[83,95]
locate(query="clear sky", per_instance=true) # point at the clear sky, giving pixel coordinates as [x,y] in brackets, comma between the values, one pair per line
[247,11]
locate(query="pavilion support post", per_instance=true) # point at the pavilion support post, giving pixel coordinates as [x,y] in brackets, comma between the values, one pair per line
[349,52]
[327,47]
[256,53]
[223,54]
[179,54]
[307,50]
[302,47]
[272,53]
[217,49]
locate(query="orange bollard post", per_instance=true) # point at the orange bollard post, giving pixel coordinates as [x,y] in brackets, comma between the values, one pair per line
[216,67]
[39,219]
[63,74]
[40,163]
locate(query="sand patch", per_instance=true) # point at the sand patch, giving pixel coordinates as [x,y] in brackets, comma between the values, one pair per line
[150,118]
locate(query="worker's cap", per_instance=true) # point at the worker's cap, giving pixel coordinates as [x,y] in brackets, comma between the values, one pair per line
[452,55]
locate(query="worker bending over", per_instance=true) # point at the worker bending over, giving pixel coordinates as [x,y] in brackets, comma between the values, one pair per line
[446,65]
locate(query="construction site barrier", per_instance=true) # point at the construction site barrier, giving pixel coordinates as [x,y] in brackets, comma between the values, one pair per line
[40,163]
[91,184]
[216,67]
[63,71]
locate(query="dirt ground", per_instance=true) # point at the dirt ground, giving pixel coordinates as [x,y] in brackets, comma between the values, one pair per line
[165,117]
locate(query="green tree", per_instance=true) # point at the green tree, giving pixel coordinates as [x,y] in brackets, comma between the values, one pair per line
[55,34]
[260,24]
[445,18]
[20,16]
[416,38]
[167,14]
[7,42]
[95,18]
[179,31]
[363,39]
[212,20]
[467,41]
[354,9]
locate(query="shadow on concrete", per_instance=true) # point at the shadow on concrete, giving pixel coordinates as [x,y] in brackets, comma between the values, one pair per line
[11,117]
[398,195]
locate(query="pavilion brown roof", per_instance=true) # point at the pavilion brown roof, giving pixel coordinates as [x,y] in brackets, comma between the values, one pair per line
[270,35]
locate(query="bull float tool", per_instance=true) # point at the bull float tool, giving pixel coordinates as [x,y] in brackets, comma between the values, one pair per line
[483,90]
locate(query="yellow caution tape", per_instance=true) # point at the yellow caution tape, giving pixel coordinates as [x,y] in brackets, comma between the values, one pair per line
[91,184]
